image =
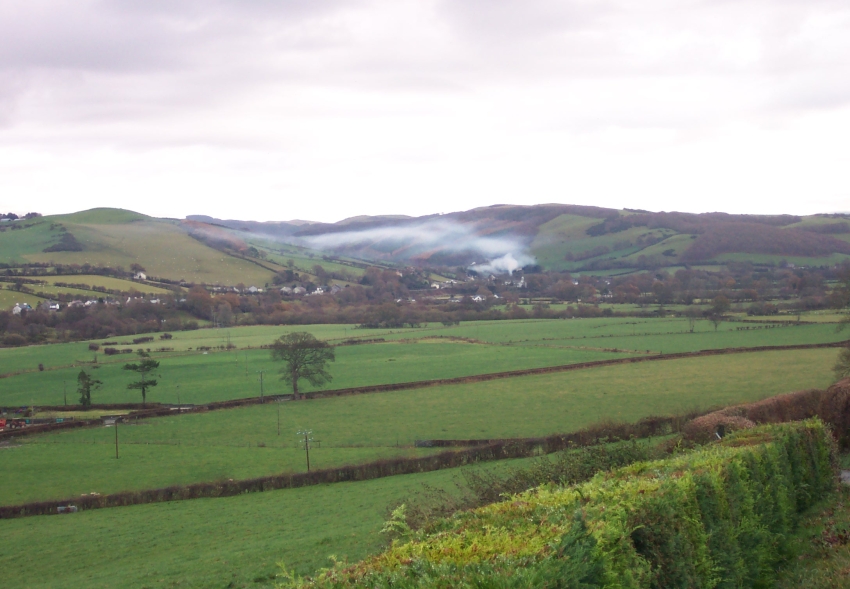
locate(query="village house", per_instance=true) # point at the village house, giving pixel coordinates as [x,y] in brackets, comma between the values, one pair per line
[140,276]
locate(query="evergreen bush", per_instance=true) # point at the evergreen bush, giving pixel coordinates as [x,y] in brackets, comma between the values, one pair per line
[717,517]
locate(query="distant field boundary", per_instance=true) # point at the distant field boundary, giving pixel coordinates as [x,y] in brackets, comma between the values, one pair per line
[160,411]
[494,450]
[517,373]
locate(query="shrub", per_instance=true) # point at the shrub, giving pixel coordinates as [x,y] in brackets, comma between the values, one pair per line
[94,347]
[718,517]
[14,339]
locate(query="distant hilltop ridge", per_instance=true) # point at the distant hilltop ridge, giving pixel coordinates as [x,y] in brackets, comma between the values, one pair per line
[495,239]
[570,237]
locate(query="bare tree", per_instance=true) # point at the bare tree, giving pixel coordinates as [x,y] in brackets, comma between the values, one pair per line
[693,314]
[305,357]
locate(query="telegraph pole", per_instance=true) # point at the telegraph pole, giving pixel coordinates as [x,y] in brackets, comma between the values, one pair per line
[65,391]
[116,438]
[278,416]
[262,394]
[307,439]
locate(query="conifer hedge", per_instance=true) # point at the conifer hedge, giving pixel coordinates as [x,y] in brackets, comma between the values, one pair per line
[713,518]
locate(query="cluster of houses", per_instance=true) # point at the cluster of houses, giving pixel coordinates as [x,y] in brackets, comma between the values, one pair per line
[301,291]
[287,291]
[446,284]
[51,305]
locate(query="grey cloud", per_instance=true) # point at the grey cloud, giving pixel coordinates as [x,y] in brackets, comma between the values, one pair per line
[286,82]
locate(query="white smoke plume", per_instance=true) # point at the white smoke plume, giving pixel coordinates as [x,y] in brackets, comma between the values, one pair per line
[504,265]
[505,254]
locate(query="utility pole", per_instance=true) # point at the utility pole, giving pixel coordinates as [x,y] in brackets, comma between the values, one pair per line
[116,438]
[262,395]
[246,364]
[65,391]
[307,439]
[278,416]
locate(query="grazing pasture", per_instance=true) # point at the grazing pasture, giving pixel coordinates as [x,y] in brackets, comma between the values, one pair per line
[226,444]
[107,282]
[216,376]
[115,238]
[433,351]
[233,541]
[9,298]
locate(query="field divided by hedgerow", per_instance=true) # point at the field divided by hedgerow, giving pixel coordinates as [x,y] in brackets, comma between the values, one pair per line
[600,333]
[208,542]
[216,376]
[113,238]
[362,427]
[512,345]
[721,515]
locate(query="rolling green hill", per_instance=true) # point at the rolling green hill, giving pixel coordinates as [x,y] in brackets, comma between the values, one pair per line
[556,237]
[114,237]
[569,237]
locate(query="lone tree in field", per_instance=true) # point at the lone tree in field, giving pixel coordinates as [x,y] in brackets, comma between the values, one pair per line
[144,368]
[718,307]
[304,357]
[85,385]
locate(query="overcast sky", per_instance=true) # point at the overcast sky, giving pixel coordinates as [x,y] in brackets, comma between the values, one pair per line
[319,109]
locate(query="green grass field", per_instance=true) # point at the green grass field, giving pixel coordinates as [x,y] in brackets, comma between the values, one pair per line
[227,542]
[407,355]
[109,283]
[224,444]
[219,376]
[239,540]
[9,298]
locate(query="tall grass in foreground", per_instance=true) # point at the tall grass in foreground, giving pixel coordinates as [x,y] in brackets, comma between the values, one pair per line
[714,518]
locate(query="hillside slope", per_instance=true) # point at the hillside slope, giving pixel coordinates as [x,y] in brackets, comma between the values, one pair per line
[569,237]
[497,238]
[114,237]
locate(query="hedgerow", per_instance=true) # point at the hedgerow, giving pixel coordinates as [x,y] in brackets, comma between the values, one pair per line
[713,518]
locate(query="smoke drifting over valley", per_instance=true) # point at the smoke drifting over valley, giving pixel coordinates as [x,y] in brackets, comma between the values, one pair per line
[422,240]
